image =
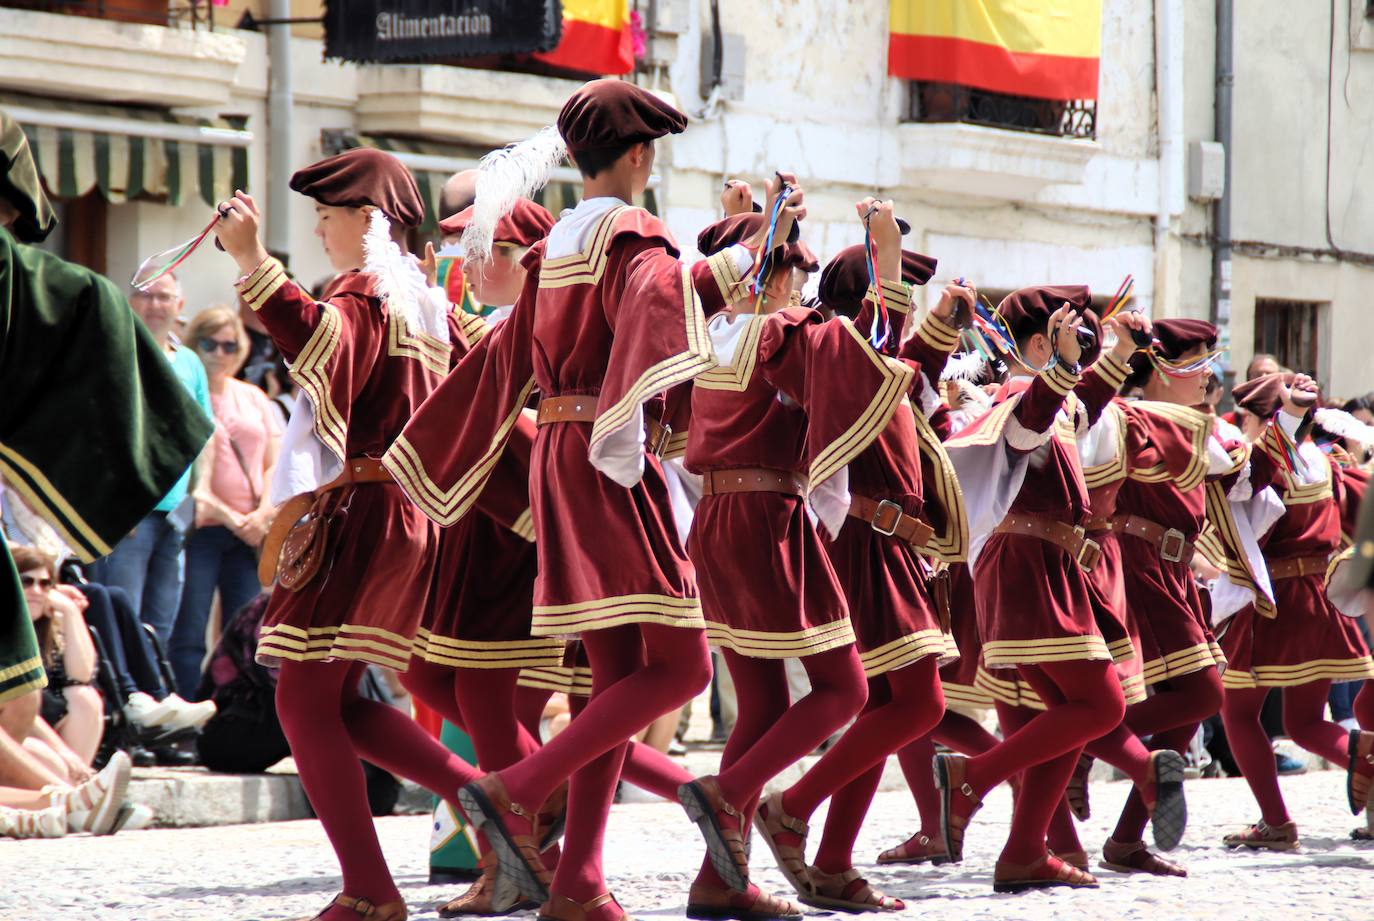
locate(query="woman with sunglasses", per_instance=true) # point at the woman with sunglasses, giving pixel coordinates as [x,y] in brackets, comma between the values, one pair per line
[233,511]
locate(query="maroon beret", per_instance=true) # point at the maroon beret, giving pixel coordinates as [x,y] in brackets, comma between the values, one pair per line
[1178,337]
[1028,310]
[1264,395]
[738,228]
[525,225]
[844,283]
[363,176]
[612,113]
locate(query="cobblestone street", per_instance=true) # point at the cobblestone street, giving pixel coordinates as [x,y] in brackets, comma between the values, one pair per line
[285,870]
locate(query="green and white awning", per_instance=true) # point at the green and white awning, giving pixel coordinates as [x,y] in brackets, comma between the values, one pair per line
[131,153]
[433,163]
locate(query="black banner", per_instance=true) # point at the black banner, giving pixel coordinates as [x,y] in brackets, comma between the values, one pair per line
[416,30]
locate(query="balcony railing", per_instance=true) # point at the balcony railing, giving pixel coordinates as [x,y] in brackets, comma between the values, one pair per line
[949,102]
[195,13]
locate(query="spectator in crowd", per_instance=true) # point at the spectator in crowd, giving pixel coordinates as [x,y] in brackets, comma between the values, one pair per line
[70,703]
[149,563]
[37,806]
[233,511]
[137,685]
[1263,363]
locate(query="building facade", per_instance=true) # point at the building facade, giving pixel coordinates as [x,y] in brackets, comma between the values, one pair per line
[1005,191]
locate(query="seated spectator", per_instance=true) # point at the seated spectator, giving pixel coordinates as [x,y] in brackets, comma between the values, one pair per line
[33,807]
[70,702]
[233,511]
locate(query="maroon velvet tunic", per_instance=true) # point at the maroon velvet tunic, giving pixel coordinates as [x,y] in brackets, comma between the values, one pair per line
[884,578]
[960,677]
[481,597]
[797,395]
[1309,640]
[1167,446]
[1033,600]
[620,321]
[365,372]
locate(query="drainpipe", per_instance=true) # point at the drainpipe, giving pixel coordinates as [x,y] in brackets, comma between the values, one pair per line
[279,143]
[1169,93]
[1221,215]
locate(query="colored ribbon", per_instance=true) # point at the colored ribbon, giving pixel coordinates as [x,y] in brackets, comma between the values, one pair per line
[880,330]
[160,264]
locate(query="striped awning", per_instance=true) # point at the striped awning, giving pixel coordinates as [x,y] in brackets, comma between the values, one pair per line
[433,163]
[131,153]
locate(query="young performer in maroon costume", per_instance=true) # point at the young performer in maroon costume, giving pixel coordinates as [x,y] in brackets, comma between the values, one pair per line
[609,319]
[1309,643]
[1176,462]
[364,358]
[1029,566]
[475,636]
[878,556]
[794,401]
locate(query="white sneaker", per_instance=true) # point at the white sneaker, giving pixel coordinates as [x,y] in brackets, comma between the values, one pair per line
[186,715]
[33,823]
[143,711]
[94,805]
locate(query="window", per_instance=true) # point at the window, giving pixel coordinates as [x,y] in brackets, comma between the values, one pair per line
[949,102]
[80,232]
[1291,332]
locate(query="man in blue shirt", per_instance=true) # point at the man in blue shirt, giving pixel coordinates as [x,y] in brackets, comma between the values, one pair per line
[150,563]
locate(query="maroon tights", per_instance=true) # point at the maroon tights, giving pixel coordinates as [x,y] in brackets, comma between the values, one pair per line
[330,726]
[1084,702]
[1303,707]
[955,731]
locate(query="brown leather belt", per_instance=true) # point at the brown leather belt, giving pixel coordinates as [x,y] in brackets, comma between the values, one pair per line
[582,408]
[887,518]
[1295,566]
[1173,544]
[356,470]
[1100,525]
[752,479]
[1074,541]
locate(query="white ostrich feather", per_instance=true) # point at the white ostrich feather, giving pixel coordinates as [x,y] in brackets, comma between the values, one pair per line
[504,177]
[963,366]
[1340,423]
[399,280]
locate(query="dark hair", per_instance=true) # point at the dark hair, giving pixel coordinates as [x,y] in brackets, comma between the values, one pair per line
[591,163]
[1356,404]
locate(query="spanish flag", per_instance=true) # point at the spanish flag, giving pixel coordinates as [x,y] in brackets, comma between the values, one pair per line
[596,38]
[1046,49]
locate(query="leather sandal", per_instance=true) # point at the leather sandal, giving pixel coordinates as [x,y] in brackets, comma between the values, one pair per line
[552,818]
[487,803]
[847,891]
[488,897]
[1164,799]
[365,908]
[1359,769]
[772,821]
[1047,872]
[1135,857]
[1266,837]
[1076,859]
[562,908]
[1077,791]
[958,802]
[711,903]
[704,804]
[919,848]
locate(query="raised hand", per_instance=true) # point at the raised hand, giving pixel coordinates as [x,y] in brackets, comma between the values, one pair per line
[1063,331]
[1125,326]
[237,231]
[737,198]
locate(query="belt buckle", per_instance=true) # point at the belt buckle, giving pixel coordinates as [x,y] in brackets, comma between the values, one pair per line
[660,444]
[884,506]
[1089,551]
[1171,545]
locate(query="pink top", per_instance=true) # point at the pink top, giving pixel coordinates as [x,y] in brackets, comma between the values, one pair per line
[244,418]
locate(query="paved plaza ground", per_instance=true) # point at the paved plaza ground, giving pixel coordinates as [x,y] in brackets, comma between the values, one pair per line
[285,869]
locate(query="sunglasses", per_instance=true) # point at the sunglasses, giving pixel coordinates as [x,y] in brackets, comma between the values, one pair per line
[210,346]
[29,581]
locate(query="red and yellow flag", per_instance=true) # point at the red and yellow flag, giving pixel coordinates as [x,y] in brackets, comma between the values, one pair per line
[596,38]
[1047,49]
